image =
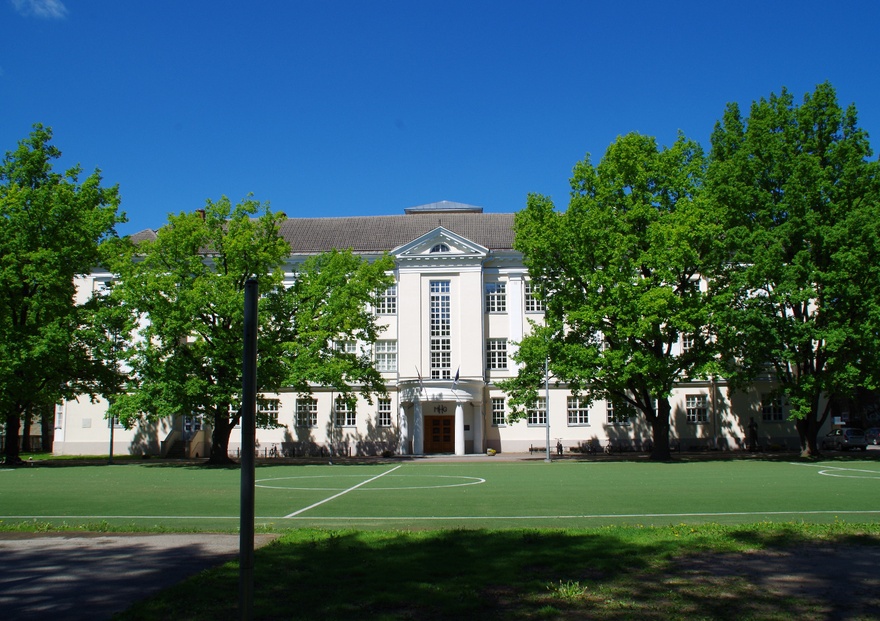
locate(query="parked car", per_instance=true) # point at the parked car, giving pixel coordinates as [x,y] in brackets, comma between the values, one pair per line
[845,439]
[872,435]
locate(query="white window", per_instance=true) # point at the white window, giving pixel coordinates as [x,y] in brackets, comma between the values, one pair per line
[345,413]
[348,347]
[772,410]
[496,354]
[439,248]
[115,422]
[697,409]
[532,304]
[383,413]
[267,412]
[687,343]
[617,413]
[441,330]
[496,297]
[498,417]
[536,413]
[387,302]
[306,413]
[386,356]
[578,411]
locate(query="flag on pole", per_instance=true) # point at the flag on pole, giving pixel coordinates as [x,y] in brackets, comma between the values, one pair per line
[455,381]
[421,385]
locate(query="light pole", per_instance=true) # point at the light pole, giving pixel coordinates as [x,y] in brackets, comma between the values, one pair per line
[547,402]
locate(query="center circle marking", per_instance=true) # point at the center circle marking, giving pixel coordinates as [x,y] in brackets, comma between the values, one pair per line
[464,482]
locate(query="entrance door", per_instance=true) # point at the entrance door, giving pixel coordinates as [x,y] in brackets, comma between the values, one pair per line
[439,434]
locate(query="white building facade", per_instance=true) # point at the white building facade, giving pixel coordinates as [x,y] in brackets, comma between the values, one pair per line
[460,303]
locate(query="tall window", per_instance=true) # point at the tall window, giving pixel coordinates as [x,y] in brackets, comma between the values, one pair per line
[536,413]
[306,413]
[496,297]
[386,356]
[267,412]
[383,413]
[387,302]
[533,304]
[771,409]
[498,417]
[441,344]
[578,411]
[697,409]
[496,354]
[345,413]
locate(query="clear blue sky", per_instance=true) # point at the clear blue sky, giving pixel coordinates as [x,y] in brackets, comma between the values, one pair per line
[333,108]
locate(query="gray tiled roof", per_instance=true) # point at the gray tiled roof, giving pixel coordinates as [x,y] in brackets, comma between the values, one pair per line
[383,233]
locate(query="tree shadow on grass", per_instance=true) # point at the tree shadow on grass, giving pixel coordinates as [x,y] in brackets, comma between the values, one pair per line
[477,574]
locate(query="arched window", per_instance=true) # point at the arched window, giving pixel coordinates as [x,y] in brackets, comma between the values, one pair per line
[440,248]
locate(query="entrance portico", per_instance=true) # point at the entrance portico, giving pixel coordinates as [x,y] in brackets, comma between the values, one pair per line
[440,419]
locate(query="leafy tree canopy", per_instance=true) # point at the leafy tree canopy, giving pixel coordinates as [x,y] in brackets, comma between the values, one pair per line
[50,228]
[188,287]
[620,272]
[799,195]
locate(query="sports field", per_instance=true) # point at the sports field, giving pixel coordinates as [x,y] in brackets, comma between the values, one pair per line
[432,494]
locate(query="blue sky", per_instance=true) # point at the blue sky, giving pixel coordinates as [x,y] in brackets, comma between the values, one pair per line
[335,108]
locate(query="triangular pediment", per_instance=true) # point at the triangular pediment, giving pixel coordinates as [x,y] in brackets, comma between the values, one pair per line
[438,244]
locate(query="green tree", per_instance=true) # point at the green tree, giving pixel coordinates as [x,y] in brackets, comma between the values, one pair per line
[620,272]
[801,201]
[50,228]
[188,287]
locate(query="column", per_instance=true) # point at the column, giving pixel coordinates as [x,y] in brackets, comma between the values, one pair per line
[478,428]
[418,429]
[459,429]
[403,431]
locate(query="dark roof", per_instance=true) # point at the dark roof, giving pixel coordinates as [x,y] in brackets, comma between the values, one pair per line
[382,233]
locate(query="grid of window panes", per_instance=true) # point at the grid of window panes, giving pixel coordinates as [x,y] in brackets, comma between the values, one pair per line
[345,413]
[306,413]
[771,409]
[387,302]
[383,413]
[496,297]
[441,344]
[348,347]
[578,411]
[496,354]
[697,409]
[267,411]
[617,414]
[386,356]
[532,304]
[687,342]
[498,417]
[536,413]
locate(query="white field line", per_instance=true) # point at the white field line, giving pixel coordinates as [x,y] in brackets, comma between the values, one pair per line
[343,492]
[293,516]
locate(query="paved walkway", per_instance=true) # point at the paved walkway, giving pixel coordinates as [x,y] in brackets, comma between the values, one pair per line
[73,577]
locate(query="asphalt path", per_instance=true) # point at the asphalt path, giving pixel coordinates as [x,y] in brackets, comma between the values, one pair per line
[73,577]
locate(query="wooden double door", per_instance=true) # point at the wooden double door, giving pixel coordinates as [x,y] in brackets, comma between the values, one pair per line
[439,434]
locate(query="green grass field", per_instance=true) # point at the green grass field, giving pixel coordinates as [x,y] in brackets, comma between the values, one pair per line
[433,494]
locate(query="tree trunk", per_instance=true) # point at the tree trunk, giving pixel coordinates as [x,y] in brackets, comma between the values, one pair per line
[13,436]
[26,431]
[219,454]
[660,431]
[808,430]
[47,424]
